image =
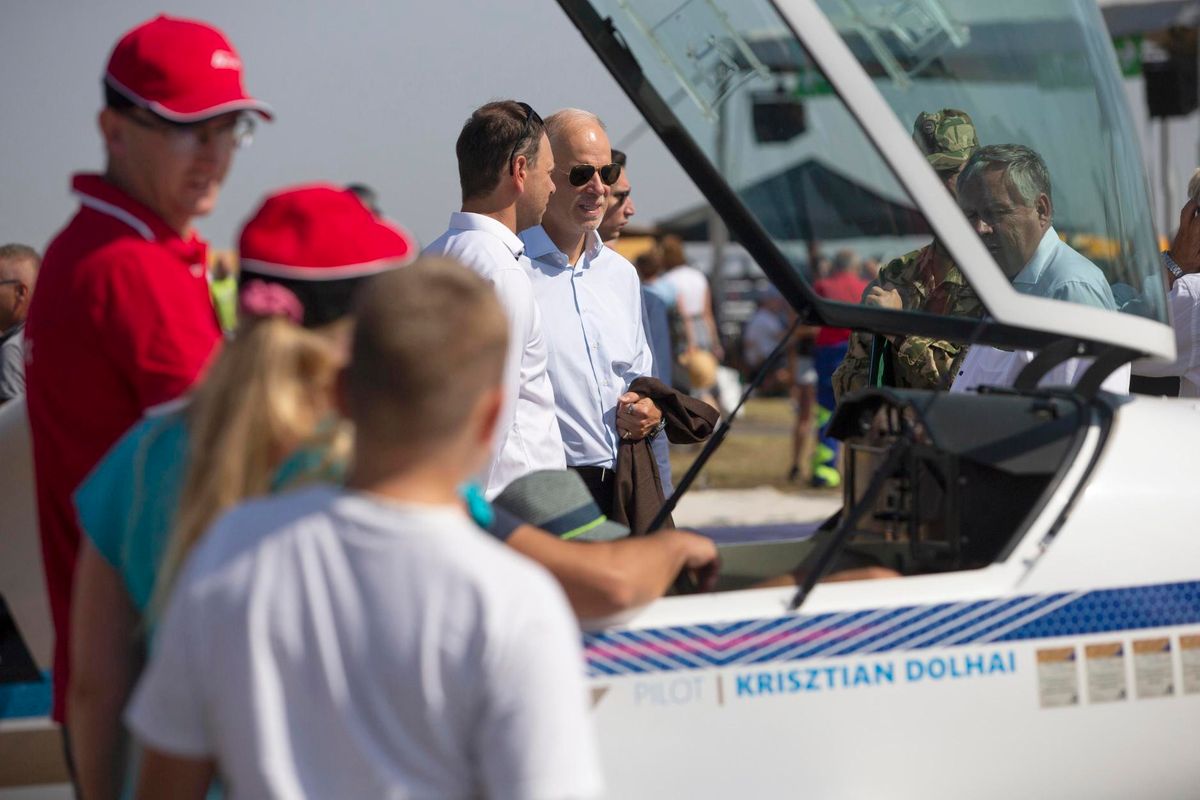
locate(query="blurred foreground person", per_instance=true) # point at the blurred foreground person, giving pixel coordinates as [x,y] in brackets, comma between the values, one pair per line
[18,274]
[122,319]
[263,419]
[370,641]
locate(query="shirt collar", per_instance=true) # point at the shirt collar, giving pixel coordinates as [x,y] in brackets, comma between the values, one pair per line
[99,195]
[470,221]
[1032,272]
[539,245]
[13,331]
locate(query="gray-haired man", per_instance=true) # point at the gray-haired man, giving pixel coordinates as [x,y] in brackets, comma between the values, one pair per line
[1005,192]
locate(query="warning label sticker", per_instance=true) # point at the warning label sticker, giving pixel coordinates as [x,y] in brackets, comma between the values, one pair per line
[1105,672]
[1189,655]
[1153,671]
[1058,681]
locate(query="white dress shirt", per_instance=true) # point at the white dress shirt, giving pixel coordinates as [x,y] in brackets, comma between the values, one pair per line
[593,322]
[1185,303]
[527,436]
[1059,272]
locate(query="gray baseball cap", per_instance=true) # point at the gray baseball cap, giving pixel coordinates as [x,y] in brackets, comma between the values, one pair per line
[558,501]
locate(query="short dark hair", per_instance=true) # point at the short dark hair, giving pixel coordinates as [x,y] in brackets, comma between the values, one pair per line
[618,156]
[495,133]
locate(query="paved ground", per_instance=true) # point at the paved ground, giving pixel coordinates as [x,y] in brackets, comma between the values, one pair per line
[754,515]
[761,506]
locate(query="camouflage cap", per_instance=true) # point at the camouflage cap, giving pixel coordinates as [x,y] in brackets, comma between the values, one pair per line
[946,137]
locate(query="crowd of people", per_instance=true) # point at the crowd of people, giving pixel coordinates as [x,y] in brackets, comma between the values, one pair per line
[341,550]
[485,413]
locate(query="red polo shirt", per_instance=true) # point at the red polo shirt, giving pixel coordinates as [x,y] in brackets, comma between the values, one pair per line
[121,321]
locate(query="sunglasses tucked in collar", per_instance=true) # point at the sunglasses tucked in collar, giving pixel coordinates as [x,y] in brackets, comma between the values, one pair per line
[531,118]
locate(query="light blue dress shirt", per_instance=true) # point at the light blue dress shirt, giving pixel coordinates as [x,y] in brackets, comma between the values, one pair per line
[1059,272]
[592,318]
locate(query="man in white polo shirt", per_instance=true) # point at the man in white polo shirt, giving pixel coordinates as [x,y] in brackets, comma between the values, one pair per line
[591,302]
[504,168]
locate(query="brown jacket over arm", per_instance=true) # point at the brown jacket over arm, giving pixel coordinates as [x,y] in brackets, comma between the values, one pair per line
[638,494]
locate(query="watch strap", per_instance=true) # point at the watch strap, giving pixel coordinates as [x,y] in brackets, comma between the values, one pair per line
[1171,266]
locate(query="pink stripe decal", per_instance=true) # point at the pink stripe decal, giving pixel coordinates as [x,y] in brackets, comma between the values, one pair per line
[697,644]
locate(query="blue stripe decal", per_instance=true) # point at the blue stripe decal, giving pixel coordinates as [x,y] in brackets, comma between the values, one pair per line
[885,630]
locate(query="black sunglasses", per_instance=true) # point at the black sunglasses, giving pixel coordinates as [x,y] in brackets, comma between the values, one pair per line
[531,117]
[582,173]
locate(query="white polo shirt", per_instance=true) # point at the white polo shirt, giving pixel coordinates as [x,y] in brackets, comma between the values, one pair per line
[527,437]
[592,315]
[330,644]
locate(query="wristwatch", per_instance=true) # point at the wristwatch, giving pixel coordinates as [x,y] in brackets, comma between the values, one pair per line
[1172,267]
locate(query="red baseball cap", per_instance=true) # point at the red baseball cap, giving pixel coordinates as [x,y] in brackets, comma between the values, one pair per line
[317,242]
[180,69]
[321,232]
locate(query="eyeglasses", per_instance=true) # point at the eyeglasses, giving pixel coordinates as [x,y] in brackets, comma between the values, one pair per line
[582,173]
[531,117]
[186,137]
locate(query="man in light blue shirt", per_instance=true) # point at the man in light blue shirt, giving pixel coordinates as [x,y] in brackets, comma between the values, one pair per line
[505,169]
[1005,192]
[591,305]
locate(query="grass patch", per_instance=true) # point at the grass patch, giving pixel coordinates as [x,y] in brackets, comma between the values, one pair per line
[757,452]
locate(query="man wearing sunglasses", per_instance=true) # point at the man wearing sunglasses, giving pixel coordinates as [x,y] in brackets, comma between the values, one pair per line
[122,319]
[504,168]
[591,305]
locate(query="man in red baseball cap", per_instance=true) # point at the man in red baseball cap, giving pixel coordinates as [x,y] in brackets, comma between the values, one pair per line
[122,319]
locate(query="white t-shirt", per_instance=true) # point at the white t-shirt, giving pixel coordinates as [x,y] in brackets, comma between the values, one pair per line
[691,287]
[327,644]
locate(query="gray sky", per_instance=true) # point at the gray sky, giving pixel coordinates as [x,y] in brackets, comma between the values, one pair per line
[364,90]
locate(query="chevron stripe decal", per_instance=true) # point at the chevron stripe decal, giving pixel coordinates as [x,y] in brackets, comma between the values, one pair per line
[795,638]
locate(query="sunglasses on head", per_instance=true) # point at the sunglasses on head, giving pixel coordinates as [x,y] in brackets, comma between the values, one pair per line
[531,117]
[582,173]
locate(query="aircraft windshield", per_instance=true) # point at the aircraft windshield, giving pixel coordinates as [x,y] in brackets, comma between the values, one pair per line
[1034,77]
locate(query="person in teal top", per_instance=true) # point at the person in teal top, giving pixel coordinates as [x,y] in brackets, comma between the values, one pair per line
[127,503]
[261,420]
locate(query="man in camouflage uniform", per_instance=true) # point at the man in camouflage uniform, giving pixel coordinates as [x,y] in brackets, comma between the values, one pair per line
[923,280]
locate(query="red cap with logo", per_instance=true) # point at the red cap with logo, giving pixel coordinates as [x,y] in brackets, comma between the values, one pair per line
[180,69]
[316,241]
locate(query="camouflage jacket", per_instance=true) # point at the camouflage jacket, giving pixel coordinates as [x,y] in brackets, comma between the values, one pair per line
[918,362]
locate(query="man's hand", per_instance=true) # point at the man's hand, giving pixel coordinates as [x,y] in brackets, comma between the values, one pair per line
[702,561]
[884,296]
[637,416]
[1186,247]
